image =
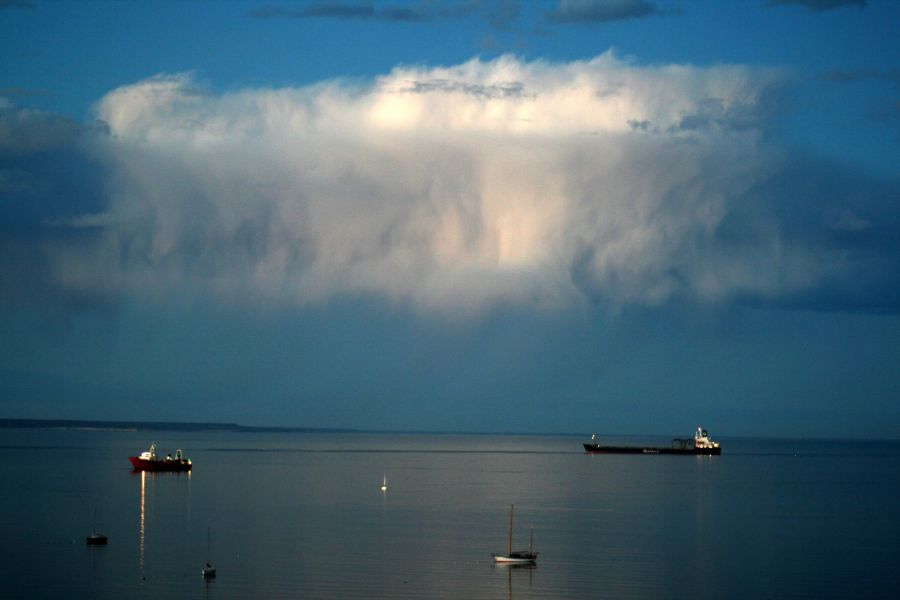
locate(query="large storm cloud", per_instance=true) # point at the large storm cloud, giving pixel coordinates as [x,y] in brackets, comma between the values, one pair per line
[459,188]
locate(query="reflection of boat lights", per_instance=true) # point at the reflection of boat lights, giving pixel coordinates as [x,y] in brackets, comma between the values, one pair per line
[141,557]
[189,500]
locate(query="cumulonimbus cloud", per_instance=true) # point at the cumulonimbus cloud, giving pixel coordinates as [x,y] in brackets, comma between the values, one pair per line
[448,189]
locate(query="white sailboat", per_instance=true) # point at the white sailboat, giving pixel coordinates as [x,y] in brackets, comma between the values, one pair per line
[519,556]
[208,571]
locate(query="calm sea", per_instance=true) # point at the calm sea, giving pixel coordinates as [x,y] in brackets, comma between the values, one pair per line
[303,516]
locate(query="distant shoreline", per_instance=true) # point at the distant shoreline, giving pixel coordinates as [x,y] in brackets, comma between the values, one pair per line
[92,425]
[89,425]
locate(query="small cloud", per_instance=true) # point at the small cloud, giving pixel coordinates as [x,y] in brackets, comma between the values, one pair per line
[21,4]
[21,92]
[25,131]
[504,13]
[713,112]
[512,89]
[14,181]
[859,75]
[849,222]
[639,125]
[819,5]
[693,122]
[602,11]
[100,127]
[333,10]
[367,11]
[887,112]
[82,221]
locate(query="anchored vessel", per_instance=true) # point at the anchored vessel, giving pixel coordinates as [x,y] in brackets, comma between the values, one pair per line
[700,445]
[520,557]
[96,539]
[209,571]
[149,461]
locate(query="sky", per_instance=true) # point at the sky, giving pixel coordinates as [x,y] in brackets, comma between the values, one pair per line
[573,216]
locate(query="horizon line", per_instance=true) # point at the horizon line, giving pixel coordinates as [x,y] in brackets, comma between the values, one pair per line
[137,425]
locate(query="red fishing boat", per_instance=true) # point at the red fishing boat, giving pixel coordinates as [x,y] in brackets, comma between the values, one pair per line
[149,461]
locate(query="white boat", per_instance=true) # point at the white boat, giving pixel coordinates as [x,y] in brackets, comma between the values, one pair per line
[208,571]
[520,557]
[384,484]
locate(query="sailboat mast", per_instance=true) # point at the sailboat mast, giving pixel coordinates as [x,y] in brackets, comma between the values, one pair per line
[510,526]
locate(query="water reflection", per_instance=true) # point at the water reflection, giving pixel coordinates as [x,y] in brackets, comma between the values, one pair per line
[147,483]
[294,520]
[143,505]
[531,568]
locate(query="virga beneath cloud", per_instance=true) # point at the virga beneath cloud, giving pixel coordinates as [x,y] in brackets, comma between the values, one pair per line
[449,189]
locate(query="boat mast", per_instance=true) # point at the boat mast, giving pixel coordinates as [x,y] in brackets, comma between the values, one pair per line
[510,526]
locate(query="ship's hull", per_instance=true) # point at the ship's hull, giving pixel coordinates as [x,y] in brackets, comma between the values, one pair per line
[598,449]
[515,560]
[141,464]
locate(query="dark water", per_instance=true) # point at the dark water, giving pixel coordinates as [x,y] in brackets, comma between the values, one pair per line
[303,516]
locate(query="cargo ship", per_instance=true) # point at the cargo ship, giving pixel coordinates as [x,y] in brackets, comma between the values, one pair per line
[700,445]
[149,461]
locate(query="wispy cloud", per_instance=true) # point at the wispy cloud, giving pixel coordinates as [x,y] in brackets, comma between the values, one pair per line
[500,14]
[20,92]
[21,4]
[503,14]
[344,10]
[602,11]
[495,90]
[820,5]
[857,75]
[888,111]
[85,221]
[23,131]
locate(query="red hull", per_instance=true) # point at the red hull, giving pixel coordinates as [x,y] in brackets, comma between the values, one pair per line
[140,464]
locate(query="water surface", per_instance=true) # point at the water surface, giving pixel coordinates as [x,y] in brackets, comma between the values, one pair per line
[302,515]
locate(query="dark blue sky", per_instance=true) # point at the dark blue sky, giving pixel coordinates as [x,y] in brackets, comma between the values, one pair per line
[616,216]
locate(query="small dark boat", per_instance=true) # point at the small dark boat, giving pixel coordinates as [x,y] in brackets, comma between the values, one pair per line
[701,445]
[96,539]
[149,461]
[208,571]
[520,557]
